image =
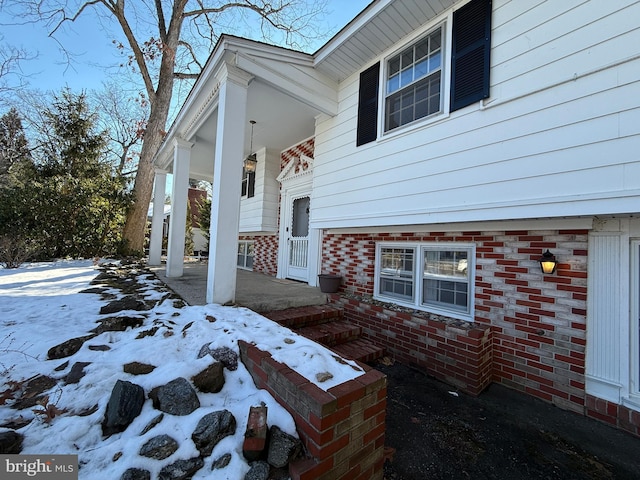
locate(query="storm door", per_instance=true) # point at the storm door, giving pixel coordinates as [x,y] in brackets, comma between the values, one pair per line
[297,232]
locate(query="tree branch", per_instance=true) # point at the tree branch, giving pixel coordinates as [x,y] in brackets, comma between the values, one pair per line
[185,76]
[162,27]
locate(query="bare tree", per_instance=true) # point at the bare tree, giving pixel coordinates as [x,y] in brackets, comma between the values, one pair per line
[10,59]
[123,116]
[167,40]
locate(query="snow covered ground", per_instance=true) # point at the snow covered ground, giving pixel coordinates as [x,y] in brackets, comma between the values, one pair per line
[40,307]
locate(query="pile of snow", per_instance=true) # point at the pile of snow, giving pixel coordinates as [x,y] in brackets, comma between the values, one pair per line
[40,307]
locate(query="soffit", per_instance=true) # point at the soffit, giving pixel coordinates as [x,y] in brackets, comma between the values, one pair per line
[379,27]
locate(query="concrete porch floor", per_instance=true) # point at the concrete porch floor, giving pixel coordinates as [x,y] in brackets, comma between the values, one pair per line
[256,291]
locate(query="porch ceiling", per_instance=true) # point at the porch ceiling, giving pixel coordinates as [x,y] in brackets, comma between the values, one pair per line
[281,121]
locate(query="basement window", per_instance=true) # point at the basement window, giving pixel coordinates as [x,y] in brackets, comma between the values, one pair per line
[435,277]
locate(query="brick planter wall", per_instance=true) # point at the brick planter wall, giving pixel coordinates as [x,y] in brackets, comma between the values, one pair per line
[342,429]
[456,352]
[529,331]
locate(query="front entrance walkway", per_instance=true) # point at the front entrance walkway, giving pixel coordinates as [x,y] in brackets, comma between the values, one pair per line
[256,291]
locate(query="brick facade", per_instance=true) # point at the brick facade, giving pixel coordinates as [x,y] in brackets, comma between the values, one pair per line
[342,428]
[265,253]
[529,331]
[305,148]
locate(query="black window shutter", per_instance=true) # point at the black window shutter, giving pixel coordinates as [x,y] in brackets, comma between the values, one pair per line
[471,53]
[368,105]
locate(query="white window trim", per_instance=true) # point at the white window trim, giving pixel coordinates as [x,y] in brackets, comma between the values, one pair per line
[634,290]
[246,243]
[417,276]
[446,22]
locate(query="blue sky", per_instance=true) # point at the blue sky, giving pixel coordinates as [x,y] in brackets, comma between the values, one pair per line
[96,57]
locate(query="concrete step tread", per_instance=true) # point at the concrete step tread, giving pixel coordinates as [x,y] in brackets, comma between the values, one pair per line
[331,333]
[361,349]
[304,316]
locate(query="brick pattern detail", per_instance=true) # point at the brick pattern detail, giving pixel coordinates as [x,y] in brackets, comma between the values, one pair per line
[531,327]
[306,148]
[342,429]
[613,414]
[456,352]
[265,253]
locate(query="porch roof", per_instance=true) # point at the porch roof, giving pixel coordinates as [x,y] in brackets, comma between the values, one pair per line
[289,89]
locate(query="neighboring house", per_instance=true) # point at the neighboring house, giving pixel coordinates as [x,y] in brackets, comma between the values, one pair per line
[430,153]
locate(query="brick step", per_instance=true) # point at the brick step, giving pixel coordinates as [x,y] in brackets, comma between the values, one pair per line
[361,349]
[331,333]
[299,317]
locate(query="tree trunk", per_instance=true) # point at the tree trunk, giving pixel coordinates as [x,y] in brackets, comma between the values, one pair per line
[135,227]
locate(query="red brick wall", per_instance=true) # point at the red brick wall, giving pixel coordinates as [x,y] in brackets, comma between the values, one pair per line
[454,351]
[613,414]
[537,322]
[342,429]
[307,148]
[265,253]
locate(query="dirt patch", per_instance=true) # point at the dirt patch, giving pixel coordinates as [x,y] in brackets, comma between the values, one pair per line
[440,433]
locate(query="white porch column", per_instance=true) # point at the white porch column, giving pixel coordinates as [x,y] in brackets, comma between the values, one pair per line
[157,220]
[227,177]
[178,219]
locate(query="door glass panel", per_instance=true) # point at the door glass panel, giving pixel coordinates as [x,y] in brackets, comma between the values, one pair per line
[300,227]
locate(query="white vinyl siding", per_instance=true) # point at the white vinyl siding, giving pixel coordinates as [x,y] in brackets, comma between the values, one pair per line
[260,212]
[434,277]
[542,144]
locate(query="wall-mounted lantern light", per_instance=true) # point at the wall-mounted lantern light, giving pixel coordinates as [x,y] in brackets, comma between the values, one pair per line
[548,262]
[251,161]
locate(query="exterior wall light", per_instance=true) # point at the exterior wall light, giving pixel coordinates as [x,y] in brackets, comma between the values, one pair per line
[548,262]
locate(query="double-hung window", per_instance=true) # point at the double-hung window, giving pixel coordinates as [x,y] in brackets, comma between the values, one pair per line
[436,277]
[414,81]
[444,70]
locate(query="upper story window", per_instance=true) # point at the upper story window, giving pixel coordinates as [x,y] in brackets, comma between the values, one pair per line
[414,80]
[434,277]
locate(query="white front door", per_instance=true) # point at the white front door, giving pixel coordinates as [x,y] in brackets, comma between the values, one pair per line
[297,237]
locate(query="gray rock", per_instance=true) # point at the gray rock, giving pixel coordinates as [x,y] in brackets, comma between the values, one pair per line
[211,379]
[137,368]
[221,462]
[99,348]
[159,447]
[181,469]
[129,302]
[68,348]
[125,404]
[176,397]
[258,471]
[283,448]
[136,474]
[155,421]
[34,391]
[76,373]
[212,428]
[10,442]
[117,324]
[228,357]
